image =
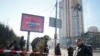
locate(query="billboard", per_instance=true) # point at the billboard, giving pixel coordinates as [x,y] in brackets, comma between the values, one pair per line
[32,23]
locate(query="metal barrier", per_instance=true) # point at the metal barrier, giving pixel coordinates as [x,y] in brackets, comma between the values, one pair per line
[23,52]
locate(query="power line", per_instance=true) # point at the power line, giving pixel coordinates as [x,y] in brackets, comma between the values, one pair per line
[51,11]
[47,9]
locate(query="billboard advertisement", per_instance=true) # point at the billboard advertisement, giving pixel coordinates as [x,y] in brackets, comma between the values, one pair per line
[32,23]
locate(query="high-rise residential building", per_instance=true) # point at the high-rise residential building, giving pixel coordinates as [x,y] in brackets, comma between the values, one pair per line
[71,14]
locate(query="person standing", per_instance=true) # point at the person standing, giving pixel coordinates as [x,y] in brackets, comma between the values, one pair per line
[14,46]
[82,49]
[90,48]
[46,50]
[70,51]
[22,43]
[57,50]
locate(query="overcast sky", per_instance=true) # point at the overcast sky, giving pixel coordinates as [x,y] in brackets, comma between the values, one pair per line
[11,13]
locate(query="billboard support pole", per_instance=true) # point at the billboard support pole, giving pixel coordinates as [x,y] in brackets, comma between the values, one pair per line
[28,38]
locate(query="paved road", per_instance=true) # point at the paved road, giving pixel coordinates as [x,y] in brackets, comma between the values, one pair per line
[64,53]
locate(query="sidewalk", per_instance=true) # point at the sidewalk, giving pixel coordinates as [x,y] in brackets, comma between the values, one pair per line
[96,54]
[64,53]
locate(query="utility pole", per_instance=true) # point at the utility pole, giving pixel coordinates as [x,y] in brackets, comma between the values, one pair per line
[55,35]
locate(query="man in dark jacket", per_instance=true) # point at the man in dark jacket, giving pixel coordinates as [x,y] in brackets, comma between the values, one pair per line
[57,50]
[90,48]
[82,49]
[22,43]
[70,51]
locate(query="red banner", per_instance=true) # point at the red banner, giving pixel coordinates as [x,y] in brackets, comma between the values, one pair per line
[32,23]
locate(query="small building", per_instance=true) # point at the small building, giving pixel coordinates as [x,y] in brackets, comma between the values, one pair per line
[93,29]
[92,38]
